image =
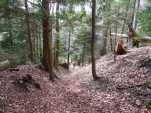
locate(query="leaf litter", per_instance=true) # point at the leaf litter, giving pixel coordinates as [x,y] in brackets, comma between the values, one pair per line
[123,87]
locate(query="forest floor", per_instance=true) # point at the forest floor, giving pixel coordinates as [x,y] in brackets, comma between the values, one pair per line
[124,87]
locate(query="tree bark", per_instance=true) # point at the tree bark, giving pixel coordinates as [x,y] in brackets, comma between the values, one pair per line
[68,59]
[126,14]
[105,34]
[135,14]
[47,40]
[58,35]
[95,77]
[37,40]
[29,40]
[116,31]
[115,42]
[111,41]
[40,42]
[33,35]
[83,54]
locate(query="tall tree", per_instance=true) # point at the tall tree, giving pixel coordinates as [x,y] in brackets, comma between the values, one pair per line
[126,15]
[134,14]
[58,35]
[29,40]
[47,40]
[69,41]
[137,5]
[95,77]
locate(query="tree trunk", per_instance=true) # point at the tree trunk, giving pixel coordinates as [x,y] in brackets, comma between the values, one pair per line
[126,14]
[105,34]
[111,41]
[37,42]
[95,77]
[115,42]
[47,40]
[29,40]
[33,35]
[68,59]
[83,54]
[116,31]
[135,14]
[58,35]
[40,42]
[11,36]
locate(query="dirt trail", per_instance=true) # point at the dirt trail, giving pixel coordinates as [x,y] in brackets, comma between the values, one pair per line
[121,88]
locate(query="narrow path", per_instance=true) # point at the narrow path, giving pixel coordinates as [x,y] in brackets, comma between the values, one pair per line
[76,92]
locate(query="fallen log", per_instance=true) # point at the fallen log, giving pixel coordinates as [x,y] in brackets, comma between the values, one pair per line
[4,65]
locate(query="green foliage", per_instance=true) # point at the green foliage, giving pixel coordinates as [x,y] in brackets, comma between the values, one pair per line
[109,12]
[145,20]
[10,55]
[12,44]
[3,3]
[81,43]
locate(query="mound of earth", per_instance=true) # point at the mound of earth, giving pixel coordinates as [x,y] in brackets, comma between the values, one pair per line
[124,87]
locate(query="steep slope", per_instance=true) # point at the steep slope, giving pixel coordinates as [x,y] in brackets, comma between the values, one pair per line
[124,87]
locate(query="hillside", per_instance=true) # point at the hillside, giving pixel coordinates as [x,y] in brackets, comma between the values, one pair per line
[124,87]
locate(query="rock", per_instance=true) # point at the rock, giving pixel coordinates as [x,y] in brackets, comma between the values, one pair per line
[138,102]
